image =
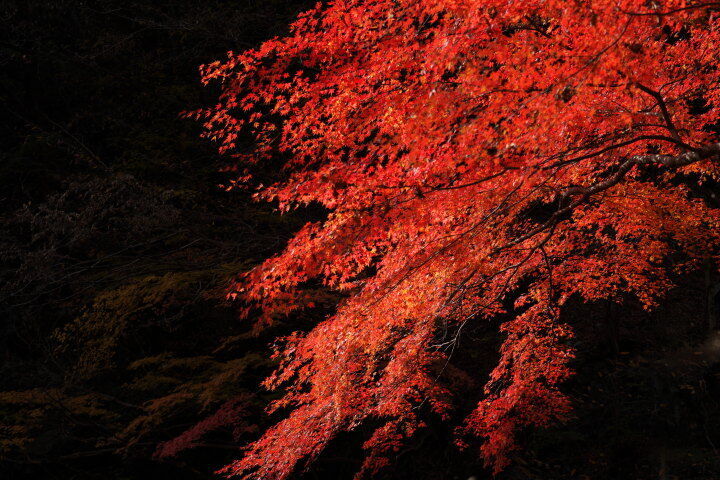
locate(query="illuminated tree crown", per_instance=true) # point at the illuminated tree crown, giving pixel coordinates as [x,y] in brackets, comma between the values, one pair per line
[472,155]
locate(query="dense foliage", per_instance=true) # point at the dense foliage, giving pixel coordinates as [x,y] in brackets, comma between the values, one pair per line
[476,159]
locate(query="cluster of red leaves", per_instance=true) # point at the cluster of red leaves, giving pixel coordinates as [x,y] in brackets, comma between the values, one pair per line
[464,149]
[234,412]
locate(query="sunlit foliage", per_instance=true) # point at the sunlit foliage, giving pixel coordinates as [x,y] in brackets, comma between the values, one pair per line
[475,158]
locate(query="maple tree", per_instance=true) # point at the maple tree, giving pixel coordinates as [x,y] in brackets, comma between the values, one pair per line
[475,159]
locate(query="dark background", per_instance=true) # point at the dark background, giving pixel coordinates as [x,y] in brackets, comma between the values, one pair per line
[116,243]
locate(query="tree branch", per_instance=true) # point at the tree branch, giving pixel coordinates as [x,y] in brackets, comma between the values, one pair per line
[663,109]
[584,193]
[615,146]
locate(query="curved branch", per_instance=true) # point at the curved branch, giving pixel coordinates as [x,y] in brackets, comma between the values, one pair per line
[641,138]
[671,12]
[663,109]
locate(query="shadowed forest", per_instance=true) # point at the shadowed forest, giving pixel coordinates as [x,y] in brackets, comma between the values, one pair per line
[122,359]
